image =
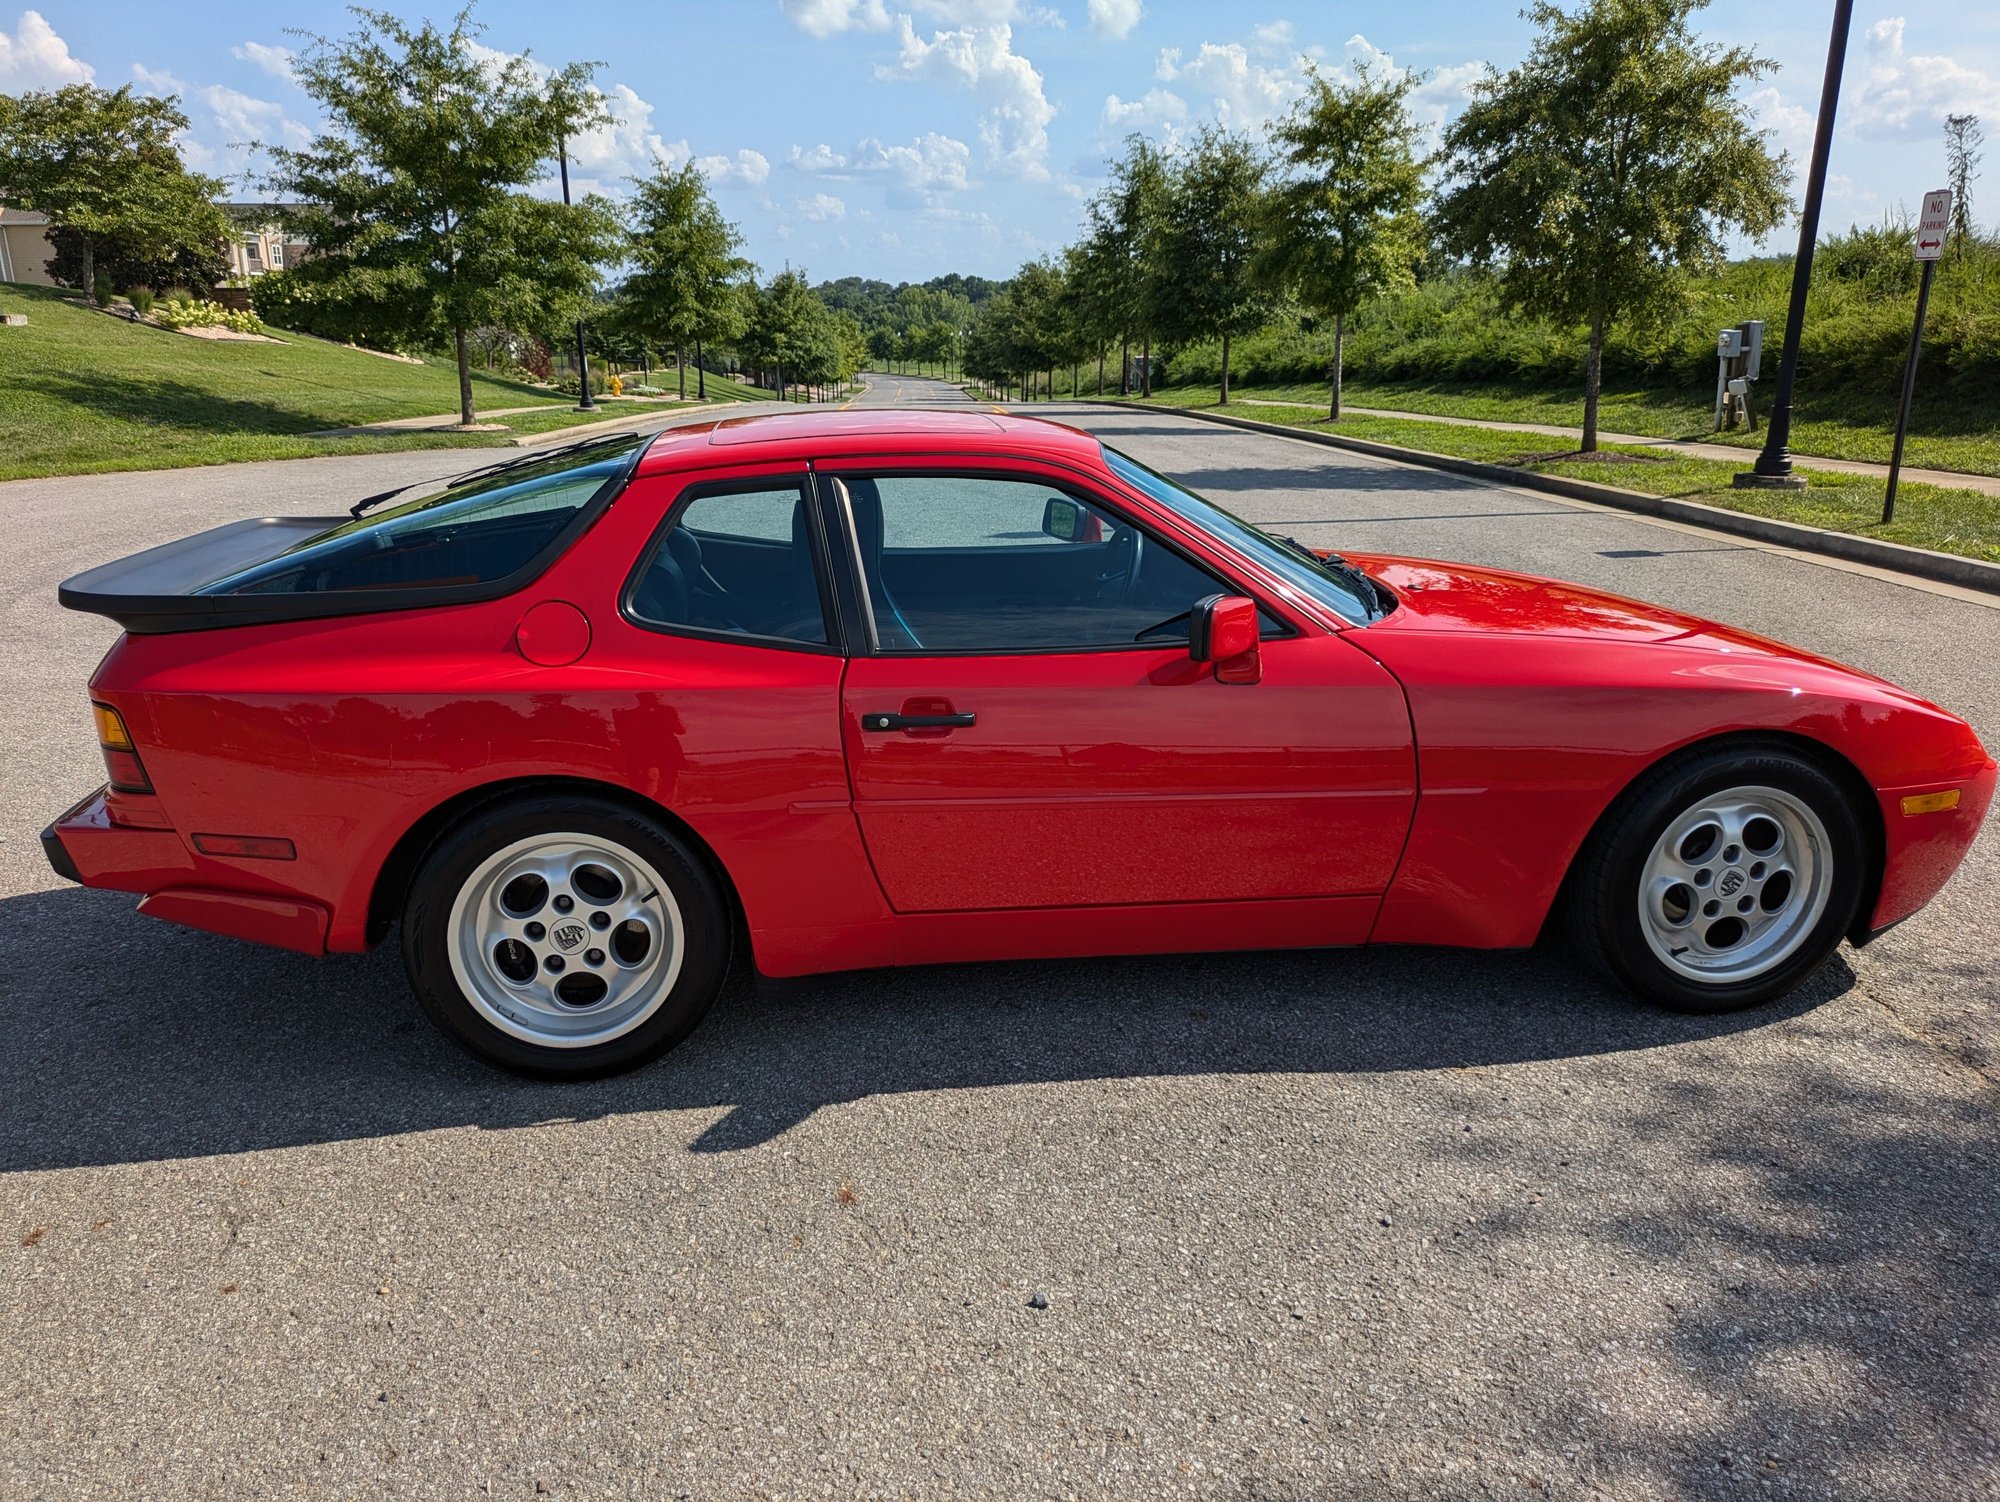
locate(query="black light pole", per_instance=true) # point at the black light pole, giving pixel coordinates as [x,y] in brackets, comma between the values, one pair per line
[1773,470]
[585,404]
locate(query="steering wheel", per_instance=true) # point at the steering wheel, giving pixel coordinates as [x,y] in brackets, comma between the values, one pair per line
[1121,561]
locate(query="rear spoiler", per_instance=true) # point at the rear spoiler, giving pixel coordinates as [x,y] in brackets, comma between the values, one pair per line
[154,591]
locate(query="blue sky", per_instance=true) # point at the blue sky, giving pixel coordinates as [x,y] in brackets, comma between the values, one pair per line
[905,138]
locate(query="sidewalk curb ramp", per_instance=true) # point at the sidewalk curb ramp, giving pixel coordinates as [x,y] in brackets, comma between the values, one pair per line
[1946,568]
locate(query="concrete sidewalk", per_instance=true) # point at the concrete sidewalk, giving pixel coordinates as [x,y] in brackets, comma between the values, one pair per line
[448,421]
[1694,448]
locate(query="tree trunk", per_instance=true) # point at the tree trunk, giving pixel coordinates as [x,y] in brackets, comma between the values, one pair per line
[1100,372]
[89,266]
[681,368]
[1593,381]
[464,377]
[1076,379]
[1146,367]
[1339,356]
[1125,366]
[1222,399]
[700,375]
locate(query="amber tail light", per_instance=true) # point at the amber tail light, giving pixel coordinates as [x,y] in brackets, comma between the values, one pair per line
[121,757]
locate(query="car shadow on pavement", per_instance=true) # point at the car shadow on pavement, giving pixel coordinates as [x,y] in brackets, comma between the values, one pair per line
[129,1040]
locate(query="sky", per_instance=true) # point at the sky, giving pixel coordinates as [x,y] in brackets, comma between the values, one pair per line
[902,139]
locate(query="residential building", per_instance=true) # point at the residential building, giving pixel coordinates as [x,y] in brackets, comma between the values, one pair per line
[259,244]
[25,247]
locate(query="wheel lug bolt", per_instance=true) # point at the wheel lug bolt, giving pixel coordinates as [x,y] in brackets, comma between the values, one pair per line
[1744,904]
[554,963]
[1757,871]
[600,920]
[1703,878]
[534,931]
[1710,909]
[1732,855]
[565,902]
[593,956]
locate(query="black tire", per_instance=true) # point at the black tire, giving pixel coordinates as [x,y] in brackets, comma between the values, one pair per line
[1603,898]
[452,863]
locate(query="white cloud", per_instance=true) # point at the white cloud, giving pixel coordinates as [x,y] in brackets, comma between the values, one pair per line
[1790,125]
[982,59]
[35,57]
[746,169]
[1114,19]
[1158,107]
[820,206]
[820,160]
[1909,94]
[920,174]
[243,118]
[1246,94]
[822,18]
[276,61]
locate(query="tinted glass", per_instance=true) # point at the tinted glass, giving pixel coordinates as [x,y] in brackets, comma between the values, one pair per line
[1337,594]
[737,561]
[474,533]
[973,564]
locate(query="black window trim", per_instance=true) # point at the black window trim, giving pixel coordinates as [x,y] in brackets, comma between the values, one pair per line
[701,487]
[1076,488]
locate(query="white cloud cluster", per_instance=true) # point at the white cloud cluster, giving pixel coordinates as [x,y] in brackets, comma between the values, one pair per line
[1114,19]
[823,18]
[981,58]
[920,174]
[1909,93]
[274,60]
[34,57]
[821,206]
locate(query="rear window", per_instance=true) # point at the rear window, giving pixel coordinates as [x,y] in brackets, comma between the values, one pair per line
[479,531]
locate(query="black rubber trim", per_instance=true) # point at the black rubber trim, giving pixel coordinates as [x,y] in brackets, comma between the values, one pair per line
[59,859]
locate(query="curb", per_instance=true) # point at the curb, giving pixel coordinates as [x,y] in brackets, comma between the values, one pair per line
[576,431]
[1946,568]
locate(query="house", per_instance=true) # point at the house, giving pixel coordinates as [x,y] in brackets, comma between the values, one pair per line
[25,247]
[259,244]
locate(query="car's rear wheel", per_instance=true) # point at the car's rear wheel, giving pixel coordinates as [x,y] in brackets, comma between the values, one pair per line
[565,937]
[1722,879]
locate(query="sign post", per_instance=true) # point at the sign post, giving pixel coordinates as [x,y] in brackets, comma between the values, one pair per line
[1932,227]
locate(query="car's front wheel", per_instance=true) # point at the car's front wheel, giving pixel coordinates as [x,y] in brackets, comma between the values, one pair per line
[1722,879]
[565,937]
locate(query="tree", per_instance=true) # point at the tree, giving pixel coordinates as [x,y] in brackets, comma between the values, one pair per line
[1341,225]
[410,199]
[1201,264]
[1123,220]
[1606,166]
[684,261]
[102,164]
[780,330]
[1962,139]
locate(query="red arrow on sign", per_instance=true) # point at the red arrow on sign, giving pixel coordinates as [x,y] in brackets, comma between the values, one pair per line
[1929,244]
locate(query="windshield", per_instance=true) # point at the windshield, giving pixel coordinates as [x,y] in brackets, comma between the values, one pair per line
[1339,586]
[477,532]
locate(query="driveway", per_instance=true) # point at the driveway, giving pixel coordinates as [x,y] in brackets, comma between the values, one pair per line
[1399,1224]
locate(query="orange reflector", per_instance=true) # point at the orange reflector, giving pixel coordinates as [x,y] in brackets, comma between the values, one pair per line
[254,847]
[111,732]
[1931,803]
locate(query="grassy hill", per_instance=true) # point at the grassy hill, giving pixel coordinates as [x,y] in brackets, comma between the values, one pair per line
[83,393]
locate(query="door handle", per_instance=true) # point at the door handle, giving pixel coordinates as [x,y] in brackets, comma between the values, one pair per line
[877,720]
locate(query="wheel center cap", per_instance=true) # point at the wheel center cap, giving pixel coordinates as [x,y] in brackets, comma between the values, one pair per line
[569,937]
[1729,886]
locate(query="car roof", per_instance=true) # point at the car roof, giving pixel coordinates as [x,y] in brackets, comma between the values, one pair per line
[831,434]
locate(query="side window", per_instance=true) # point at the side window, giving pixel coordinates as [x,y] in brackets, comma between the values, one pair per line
[736,561]
[961,563]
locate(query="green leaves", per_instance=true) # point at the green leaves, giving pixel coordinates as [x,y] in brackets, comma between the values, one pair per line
[684,260]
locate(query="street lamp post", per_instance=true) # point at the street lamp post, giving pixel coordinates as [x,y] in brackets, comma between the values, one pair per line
[585,403]
[1773,470]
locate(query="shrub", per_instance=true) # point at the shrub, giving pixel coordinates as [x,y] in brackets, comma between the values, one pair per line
[193,313]
[100,291]
[566,382]
[142,300]
[177,293]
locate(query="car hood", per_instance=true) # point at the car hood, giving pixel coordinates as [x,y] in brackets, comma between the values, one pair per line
[1457,597]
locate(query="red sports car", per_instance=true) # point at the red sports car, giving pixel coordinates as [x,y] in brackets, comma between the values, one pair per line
[859,689]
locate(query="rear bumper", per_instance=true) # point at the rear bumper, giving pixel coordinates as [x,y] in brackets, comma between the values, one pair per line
[86,846]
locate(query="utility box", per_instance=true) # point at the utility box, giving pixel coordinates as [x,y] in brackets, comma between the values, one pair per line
[1753,348]
[1729,344]
[1739,354]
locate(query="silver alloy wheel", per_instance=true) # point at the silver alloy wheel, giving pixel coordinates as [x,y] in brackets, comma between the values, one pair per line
[565,940]
[1735,885]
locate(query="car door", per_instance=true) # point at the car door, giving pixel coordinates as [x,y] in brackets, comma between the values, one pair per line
[1025,727]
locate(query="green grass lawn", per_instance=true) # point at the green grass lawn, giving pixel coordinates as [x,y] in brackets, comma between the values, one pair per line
[82,393]
[1927,516]
[1958,434]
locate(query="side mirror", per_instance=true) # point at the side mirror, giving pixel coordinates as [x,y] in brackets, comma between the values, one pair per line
[1064,520]
[1222,629]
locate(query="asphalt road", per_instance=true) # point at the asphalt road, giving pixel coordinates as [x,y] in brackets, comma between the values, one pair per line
[1337,1225]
